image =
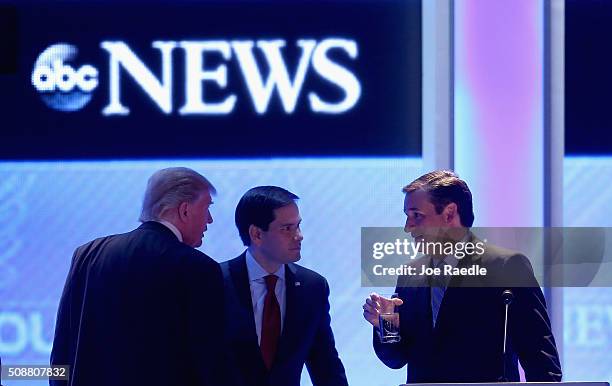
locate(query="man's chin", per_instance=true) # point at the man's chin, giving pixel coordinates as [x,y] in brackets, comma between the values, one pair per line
[428,238]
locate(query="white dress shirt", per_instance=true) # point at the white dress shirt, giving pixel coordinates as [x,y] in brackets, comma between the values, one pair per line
[174,229]
[257,283]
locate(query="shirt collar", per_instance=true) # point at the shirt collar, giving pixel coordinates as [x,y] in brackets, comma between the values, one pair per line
[173,228]
[256,272]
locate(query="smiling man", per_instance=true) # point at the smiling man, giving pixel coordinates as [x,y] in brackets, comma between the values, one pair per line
[277,311]
[452,327]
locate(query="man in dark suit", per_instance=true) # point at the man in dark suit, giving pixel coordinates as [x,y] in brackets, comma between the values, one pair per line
[452,328]
[139,308]
[277,311]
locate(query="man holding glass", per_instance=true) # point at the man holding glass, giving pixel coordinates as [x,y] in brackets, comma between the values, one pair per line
[277,311]
[452,330]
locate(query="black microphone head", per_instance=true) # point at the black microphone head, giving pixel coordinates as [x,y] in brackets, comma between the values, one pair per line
[508,296]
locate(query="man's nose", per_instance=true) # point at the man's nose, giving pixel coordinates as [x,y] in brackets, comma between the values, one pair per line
[210,218]
[409,226]
[298,235]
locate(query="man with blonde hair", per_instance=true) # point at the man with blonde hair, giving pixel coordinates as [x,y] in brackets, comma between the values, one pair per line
[141,308]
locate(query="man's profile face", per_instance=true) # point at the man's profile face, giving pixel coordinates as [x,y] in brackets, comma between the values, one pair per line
[422,221]
[199,218]
[282,242]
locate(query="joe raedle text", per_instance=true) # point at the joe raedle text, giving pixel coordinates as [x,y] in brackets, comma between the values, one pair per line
[447,270]
[412,250]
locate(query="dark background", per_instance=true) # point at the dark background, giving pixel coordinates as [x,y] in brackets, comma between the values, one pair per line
[386,121]
[588,77]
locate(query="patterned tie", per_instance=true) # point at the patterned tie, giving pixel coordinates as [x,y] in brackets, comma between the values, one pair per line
[271,322]
[438,286]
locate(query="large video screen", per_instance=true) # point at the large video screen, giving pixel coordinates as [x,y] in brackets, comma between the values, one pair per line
[588,81]
[218,79]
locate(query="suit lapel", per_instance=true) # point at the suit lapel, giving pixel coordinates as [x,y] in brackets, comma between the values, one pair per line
[293,302]
[240,279]
[458,281]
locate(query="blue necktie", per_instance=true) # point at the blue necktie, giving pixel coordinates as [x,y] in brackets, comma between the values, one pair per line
[438,286]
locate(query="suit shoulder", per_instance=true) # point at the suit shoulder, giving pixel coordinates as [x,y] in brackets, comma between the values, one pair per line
[225,269]
[93,245]
[308,275]
[493,251]
[225,265]
[508,267]
[495,255]
[300,269]
[195,256]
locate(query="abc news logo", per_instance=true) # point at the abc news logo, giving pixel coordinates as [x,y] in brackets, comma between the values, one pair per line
[65,85]
[63,77]
[61,86]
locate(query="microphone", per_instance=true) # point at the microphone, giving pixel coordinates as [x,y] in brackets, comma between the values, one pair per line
[507,297]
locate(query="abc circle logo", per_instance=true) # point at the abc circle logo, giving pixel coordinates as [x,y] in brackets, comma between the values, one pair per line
[62,86]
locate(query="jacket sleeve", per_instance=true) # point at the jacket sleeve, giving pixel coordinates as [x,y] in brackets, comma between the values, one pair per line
[394,355]
[530,329]
[68,313]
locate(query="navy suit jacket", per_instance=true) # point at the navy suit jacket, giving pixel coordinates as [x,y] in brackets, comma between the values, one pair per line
[466,343]
[307,337]
[138,309]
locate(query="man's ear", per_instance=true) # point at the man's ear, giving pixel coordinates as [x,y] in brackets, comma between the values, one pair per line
[183,211]
[450,212]
[255,233]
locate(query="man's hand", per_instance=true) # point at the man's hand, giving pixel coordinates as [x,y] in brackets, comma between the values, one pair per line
[374,304]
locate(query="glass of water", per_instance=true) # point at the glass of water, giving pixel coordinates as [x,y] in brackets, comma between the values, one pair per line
[388,319]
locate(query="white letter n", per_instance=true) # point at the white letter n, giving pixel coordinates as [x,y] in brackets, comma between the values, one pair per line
[160,92]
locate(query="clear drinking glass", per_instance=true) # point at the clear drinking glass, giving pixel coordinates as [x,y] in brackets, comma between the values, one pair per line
[388,319]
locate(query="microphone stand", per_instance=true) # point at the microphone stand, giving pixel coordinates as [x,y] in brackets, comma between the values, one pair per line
[507,297]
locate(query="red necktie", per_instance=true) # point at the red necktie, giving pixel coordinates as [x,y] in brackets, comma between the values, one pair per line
[271,322]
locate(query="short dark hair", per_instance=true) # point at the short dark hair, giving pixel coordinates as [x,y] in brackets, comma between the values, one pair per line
[257,206]
[444,187]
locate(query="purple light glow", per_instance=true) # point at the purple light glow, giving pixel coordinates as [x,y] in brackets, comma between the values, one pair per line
[498,108]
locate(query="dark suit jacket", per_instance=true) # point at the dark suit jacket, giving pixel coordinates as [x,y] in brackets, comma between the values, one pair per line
[467,341]
[140,309]
[306,338]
